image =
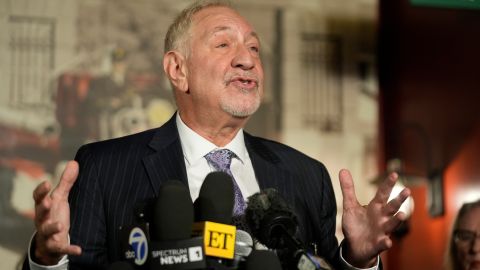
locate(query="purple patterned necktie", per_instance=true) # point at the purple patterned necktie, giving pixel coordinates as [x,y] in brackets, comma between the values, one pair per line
[220,160]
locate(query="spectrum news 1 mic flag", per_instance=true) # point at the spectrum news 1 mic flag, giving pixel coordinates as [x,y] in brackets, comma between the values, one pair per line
[167,244]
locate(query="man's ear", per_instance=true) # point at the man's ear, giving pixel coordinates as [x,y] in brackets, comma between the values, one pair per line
[174,65]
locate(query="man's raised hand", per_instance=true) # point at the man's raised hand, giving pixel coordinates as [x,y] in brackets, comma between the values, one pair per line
[52,218]
[367,228]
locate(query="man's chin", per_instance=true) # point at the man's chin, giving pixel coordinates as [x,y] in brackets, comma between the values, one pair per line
[241,114]
[241,111]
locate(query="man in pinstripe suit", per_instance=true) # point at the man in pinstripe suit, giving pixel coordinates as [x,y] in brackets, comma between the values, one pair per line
[212,61]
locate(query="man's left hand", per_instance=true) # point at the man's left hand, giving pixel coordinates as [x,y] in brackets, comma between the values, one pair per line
[367,228]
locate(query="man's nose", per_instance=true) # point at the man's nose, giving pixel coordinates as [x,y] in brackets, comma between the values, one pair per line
[243,58]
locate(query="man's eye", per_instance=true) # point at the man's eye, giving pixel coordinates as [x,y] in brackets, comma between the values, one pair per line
[255,49]
[222,45]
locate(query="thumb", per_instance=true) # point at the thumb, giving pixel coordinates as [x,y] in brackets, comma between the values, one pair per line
[69,176]
[348,190]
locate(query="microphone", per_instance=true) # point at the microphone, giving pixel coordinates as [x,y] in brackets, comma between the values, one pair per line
[274,224]
[213,215]
[172,212]
[263,259]
[172,247]
[120,265]
[133,244]
[243,248]
[215,200]
[270,219]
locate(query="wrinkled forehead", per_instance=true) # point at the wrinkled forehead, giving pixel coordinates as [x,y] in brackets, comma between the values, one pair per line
[212,20]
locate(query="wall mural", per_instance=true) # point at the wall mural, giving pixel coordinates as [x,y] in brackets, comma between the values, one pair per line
[111,84]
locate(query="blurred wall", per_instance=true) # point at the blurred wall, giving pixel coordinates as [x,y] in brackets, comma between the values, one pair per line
[429,83]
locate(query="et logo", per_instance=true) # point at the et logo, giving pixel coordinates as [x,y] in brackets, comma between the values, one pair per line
[139,244]
[219,239]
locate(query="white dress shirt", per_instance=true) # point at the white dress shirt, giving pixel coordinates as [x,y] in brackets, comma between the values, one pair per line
[195,147]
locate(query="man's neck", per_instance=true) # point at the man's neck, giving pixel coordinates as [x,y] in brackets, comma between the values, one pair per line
[218,130]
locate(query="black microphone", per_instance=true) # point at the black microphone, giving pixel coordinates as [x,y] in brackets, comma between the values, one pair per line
[261,260]
[215,199]
[134,241]
[172,212]
[172,246]
[120,265]
[213,215]
[273,222]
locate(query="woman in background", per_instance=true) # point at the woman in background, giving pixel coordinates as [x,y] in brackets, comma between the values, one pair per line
[464,246]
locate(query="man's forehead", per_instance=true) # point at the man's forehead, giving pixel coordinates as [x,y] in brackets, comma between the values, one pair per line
[222,19]
[225,28]
[216,11]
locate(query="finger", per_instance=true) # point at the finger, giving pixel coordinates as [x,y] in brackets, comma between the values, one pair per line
[394,222]
[69,176]
[55,247]
[394,205]
[384,244]
[401,216]
[48,229]
[42,210]
[72,250]
[348,190]
[385,188]
[41,191]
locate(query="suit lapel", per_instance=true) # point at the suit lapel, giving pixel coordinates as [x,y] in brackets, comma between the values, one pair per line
[268,167]
[167,162]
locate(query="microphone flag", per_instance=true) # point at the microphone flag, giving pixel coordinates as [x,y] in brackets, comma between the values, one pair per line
[219,239]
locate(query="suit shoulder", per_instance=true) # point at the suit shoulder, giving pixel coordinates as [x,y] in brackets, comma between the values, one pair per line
[118,145]
[283,153]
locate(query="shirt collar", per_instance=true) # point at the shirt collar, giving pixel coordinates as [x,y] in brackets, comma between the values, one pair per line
[195,147]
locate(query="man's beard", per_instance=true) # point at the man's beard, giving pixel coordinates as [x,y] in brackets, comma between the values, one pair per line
[241,110]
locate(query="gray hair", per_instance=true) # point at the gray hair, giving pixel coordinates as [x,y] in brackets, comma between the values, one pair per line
[178,32]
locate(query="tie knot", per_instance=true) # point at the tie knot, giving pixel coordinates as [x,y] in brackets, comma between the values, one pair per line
[220,159]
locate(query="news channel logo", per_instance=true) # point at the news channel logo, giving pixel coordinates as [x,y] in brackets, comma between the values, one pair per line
[195,254]
[139,244]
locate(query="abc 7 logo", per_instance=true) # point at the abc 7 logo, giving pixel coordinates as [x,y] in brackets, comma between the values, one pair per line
[138,241]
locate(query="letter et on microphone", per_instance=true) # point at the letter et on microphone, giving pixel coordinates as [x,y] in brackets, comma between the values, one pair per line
[219,239]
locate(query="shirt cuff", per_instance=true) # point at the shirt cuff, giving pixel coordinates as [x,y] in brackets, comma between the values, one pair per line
[61,265]
[348,266]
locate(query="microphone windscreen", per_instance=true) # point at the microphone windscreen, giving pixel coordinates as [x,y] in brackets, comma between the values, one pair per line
[120,265]
[173,212]
[269,216]
[262,259]
[215,200]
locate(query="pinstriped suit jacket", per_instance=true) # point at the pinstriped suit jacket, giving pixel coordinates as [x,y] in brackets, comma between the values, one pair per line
[115,175]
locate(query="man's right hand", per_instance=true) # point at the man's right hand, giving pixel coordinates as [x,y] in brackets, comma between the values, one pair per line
[52,219]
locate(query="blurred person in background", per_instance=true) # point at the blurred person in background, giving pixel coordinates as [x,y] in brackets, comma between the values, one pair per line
[464,245]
